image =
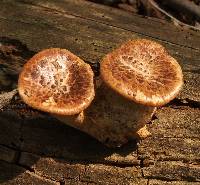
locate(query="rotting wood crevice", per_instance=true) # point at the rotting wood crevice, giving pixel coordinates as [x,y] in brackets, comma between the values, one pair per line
[187,179]
[17,157]
[141,166]
[62,182]
[176,103]
[180,160]
[106,163]
[164,180]
[169,137]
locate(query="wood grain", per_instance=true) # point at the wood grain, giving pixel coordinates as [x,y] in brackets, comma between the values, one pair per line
[37,149]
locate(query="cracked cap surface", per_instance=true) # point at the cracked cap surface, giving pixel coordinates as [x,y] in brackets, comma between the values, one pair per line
[56,81]
[142,70]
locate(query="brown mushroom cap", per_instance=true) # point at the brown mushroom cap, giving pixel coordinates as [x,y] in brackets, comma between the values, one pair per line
[57,81]
[142,70]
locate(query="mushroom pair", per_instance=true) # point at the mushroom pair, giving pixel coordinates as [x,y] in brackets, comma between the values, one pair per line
[134,79]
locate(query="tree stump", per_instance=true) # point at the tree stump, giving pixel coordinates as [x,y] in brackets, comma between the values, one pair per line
[38,149]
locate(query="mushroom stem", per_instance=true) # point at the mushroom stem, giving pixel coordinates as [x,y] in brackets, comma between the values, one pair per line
[111,118]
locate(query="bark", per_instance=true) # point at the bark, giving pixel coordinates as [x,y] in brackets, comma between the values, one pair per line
[35,148]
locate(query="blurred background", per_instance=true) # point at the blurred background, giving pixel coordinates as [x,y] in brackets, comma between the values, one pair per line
[185,13]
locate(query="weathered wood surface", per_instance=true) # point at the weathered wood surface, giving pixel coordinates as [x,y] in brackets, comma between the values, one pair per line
[37,149]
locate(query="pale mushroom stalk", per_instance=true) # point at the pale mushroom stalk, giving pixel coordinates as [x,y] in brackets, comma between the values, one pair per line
[133,116]
[119,118]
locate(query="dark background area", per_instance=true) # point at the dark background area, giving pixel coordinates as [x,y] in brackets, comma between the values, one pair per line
[181,12]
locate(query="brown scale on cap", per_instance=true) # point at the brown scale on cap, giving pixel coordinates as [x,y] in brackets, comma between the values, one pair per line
[57,81]
[142,71]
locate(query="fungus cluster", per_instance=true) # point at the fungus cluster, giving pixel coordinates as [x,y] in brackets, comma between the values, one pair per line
[134,79]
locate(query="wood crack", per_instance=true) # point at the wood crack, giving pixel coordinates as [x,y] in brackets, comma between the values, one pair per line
[179,103]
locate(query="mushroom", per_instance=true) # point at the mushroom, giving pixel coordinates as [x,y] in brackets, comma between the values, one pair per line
[136,78]
[142,71]
[58,82]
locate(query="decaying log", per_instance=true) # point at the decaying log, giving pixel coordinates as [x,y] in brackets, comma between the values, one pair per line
[35,148]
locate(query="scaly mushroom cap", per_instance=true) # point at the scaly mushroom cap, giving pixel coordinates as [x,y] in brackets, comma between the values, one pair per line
[56,81]
[142,71]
